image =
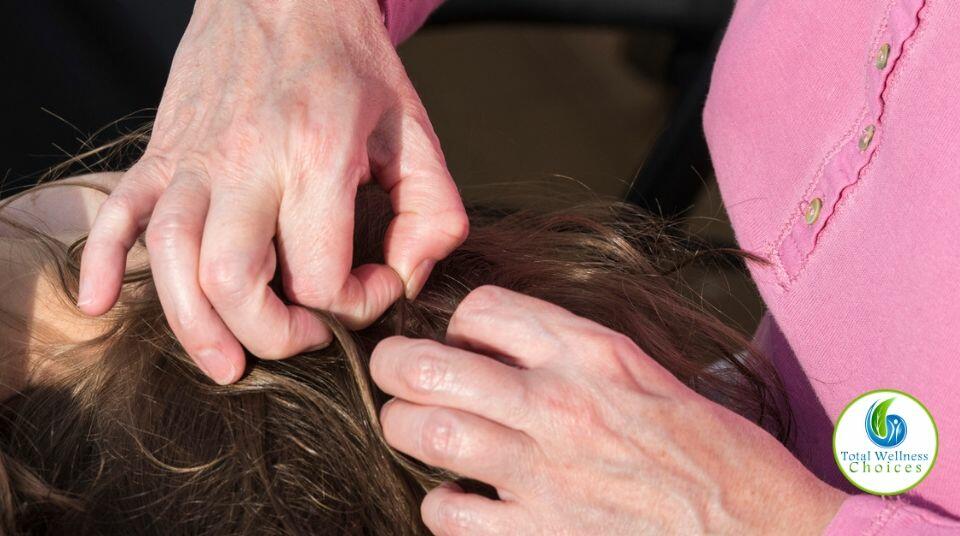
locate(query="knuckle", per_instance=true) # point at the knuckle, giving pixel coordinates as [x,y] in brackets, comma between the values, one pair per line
[424,371]
[272,345]
[163,233]
[271,352]
[618,346]
[227,278]
[526,406]
[530,470]
[602,347]
[243,139]
[441,437]
[448,519]
[313,291]
[193,163]
[117,208]
[187,323]
[482,298]
[152,167]
[456,224]
[618,358]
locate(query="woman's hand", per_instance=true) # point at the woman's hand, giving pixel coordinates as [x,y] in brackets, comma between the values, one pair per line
[273,114]
[587,435]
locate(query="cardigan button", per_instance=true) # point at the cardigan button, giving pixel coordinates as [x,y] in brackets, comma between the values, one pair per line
[813,210]
[867,137]
[883,55]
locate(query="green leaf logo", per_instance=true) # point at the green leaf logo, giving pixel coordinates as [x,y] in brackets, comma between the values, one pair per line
[878,420]
[885,429]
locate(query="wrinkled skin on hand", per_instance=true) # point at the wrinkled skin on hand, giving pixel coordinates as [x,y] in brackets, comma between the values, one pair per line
[273,114]
[586,435]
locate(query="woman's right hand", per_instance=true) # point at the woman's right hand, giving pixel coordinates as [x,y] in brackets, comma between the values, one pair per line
[273,114]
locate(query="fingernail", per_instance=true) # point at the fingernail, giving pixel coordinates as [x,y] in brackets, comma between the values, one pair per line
[452,486]
[320,346]
[419,278]
[215,365]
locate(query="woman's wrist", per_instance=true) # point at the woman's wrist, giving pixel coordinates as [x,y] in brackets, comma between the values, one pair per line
[826,505]
[807,511]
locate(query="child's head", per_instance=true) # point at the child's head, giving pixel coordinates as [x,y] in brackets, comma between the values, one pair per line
[130,437]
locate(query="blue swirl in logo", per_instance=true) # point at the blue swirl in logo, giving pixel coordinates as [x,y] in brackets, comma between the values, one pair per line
[885,430]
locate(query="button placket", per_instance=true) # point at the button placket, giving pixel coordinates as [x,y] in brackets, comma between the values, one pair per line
[844,167]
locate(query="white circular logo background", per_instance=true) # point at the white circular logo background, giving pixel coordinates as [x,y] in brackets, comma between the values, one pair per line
[885,442]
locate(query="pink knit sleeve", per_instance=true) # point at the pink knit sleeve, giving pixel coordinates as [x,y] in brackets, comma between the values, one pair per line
[404,17]
[868,515]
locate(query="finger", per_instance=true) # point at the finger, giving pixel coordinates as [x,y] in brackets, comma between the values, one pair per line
[534,333]
[464,443]
[237,263]
[519,328]
[316,248]
[173,241]
[430,220]
[430,373]
[447,510]
[118,224]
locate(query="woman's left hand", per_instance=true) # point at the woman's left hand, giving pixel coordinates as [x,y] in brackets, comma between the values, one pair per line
[585,435]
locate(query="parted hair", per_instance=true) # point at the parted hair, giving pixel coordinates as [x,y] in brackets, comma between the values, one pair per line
[134,439]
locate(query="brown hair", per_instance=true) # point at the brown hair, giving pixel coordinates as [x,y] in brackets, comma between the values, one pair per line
[133,439]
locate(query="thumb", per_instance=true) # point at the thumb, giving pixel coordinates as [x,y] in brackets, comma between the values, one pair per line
[430,221]
[315,244]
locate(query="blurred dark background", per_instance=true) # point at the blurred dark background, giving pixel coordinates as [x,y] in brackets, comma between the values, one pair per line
[607,93]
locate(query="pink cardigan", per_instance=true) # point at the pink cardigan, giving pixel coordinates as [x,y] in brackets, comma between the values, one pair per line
[868,295]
